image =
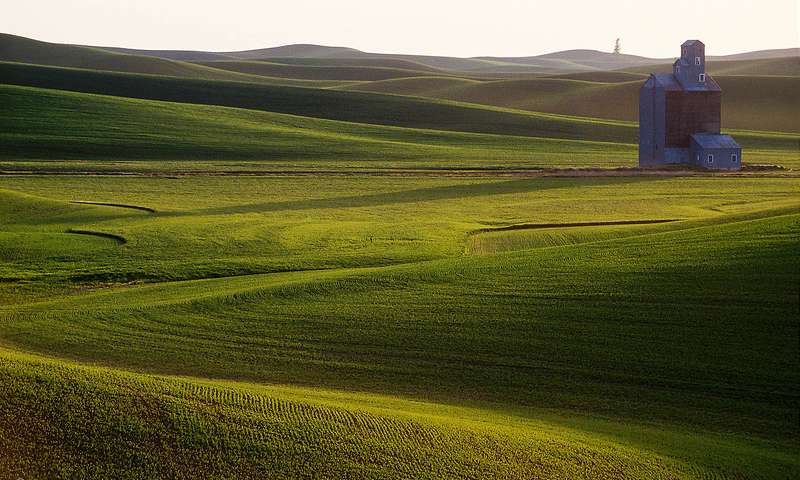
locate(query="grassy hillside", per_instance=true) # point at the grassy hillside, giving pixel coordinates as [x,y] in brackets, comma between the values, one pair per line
[765,103]
[314,327]
[180,55]
[578,60]
[357,62]
[428,86]
[773,66]
[98,429]
[115,134]
[54,125]
[314,72]
[206,278]
[760,54]
[24,50]
[749,102]
[604,77]
[781,66]
[743,109]
[336,105]
[298,51]
[350,106]
[556,62]
[369,291]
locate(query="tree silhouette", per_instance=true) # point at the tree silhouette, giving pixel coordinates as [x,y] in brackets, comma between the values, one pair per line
[617,47]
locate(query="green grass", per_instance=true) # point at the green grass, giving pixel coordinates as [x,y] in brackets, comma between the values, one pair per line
[376,62]
[781,66]
[614,76]
[420,86]
[648,349]
[90,426]
[330,104]
[293,282]
[43,128]
[314,72]
[23,50]
[360,284]
[748,102]
[48,124]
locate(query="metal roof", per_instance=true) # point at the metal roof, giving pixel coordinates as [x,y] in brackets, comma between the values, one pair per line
[709,85]
[667,81]
[689,43]
[714,140]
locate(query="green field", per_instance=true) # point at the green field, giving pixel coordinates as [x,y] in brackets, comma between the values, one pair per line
[211,277]
[45,127]
[750,102]
[364,286]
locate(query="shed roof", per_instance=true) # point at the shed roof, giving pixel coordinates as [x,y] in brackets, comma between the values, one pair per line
[714,140]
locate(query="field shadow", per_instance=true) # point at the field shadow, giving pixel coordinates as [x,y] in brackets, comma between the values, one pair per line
[449,192]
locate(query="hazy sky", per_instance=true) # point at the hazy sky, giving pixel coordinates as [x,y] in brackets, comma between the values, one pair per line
[433,27]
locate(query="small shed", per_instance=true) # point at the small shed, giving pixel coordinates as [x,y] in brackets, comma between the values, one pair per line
[715,151]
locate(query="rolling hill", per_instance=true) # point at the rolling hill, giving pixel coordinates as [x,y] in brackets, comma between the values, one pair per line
[317,262]
[577,60]
[330,104]
[357,62]
[745,102]
[779,66]
[99,128]
[179,55]
[317,72]
[24,50]
[319,52]
[428,86]
[760,54]
[345,334]
[557,62]
[173,62]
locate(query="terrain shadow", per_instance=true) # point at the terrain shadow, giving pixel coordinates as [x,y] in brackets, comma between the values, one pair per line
[448,192]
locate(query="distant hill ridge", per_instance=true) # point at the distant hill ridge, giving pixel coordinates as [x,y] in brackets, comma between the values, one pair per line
[563,62]
[566,61]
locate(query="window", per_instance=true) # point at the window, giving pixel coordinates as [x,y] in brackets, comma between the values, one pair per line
[710,158]
[702,77]
[678,69]
[697,60]
[698,158]
[733,158]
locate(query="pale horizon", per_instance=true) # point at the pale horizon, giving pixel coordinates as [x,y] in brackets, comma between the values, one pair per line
[510,28]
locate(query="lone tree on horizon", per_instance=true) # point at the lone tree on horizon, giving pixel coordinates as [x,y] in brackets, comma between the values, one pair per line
[617,47]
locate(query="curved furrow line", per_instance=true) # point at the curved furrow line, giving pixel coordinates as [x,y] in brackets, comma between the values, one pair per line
[117,205]
[119,239]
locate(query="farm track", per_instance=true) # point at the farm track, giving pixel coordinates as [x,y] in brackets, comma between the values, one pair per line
[110,236]
[756,171]
[537,226]
[118,205]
